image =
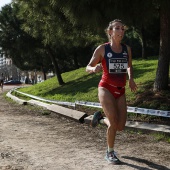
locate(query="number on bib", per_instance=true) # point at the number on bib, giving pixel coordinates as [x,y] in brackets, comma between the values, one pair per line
[118,65]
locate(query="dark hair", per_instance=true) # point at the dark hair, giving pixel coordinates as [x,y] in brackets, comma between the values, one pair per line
[110,26]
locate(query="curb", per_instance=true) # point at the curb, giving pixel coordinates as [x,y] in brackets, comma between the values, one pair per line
[66,112]
[16,99]
[69,113]
[134,125]
[37,103]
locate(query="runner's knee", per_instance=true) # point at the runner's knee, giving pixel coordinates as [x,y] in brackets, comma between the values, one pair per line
[120,128]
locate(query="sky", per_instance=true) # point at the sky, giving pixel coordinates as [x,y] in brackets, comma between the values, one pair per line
[4,2]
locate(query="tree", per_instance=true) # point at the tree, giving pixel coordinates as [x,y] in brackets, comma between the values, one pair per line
[17,44]
[162,74]
[51,20]
[131,11]
[37,25]
[54,30]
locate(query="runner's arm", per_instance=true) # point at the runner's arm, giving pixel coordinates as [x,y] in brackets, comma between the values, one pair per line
[132,84]
[94,65]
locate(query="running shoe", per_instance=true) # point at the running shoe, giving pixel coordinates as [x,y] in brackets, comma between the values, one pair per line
[96,118]
[112,158]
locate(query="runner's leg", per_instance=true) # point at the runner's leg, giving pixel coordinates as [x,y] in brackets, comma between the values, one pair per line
[108,103]
[122,112]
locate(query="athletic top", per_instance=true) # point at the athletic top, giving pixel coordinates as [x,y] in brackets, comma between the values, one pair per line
[114,66]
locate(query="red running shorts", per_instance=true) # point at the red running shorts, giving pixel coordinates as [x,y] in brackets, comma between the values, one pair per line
[114,90]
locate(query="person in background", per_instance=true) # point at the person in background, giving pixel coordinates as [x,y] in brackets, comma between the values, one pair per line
[115,60]
[1,81]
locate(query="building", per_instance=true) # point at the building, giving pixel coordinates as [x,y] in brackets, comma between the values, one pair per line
[9,70]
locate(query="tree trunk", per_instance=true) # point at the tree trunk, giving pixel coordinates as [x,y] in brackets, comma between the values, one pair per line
[44,73]
[143,43]
[76,61]
[162,74]
[56,67]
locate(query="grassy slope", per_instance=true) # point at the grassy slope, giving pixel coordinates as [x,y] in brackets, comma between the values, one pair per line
[83,87]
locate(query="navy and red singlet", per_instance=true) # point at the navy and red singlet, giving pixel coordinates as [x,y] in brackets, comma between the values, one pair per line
[114,74]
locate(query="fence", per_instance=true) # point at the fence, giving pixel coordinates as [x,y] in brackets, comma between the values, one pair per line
[97,105]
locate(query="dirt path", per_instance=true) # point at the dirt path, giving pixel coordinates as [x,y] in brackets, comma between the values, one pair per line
[32,141]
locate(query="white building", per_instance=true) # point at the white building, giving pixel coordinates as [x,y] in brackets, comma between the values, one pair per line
[9,70]
[5,61]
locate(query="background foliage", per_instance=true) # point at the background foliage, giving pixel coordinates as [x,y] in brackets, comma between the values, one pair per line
[61,35]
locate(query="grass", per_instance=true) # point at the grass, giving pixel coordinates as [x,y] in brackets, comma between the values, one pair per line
[157,136]
[78,86]
[161,137]
[144,74]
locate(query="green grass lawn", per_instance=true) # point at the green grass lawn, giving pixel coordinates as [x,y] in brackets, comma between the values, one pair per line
[79,85]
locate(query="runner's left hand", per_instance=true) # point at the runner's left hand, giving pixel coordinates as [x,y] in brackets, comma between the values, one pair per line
[132,85]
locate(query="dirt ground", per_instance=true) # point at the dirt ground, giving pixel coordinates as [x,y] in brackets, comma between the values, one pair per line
[30,139]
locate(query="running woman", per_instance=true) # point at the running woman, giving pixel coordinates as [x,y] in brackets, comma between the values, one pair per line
[115,60]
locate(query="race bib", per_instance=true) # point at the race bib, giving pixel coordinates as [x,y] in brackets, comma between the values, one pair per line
[118,65]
